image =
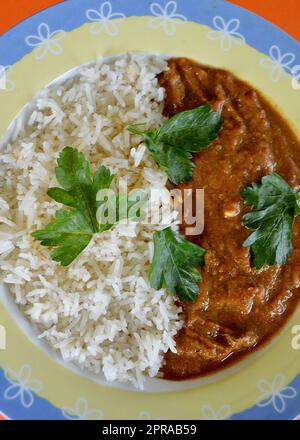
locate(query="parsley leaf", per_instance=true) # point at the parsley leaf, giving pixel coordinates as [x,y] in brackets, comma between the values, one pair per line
[70,233]
[79,187]
[72,229]
[185,133]
[175,263]
[275,207]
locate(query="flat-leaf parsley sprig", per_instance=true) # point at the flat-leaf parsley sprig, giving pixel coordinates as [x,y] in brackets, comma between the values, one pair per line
[175,265]
[275,207]
[174,142]
[72,229]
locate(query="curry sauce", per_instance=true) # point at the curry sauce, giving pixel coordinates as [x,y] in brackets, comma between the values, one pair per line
[238,307]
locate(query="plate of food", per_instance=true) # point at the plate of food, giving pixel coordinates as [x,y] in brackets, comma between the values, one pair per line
[150,228]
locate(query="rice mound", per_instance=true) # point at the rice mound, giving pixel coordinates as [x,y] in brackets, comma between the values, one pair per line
[100,312]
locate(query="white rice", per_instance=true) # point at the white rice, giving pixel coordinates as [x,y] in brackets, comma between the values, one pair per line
[99,312]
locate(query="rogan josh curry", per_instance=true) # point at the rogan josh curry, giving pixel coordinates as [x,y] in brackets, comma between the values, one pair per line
[238,307]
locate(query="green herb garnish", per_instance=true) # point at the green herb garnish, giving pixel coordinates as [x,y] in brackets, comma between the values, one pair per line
[72,229]
[175,264]
[174,142]
[275,207]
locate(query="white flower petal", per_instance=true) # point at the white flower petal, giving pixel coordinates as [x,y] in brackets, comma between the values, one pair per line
[264,387]
[170,9]
[288,393]
[276,74]
[156,22]
[111,28]
[278,382]
[70,414]
[81,407]
[287,59]
[33,40]
[41,51]
[35,385]
[27,398]
[55,48]
[240,38]
[44,31]
[96,28]
[57,35]
[275,53]
[25,374]
[233,25]
[106,10]
[279,403]
[224,412]
[117,15]
[215,35]
[93,15]
[157,10]
[208,413]
[226,42]
[219,23]
[169,27]
[267,63]
[11,376]
[179,19]
[264,400]
[12,392]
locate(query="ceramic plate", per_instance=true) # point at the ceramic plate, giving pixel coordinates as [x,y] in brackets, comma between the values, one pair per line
[33,383]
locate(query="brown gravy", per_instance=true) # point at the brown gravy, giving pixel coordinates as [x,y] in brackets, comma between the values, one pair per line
[238,307]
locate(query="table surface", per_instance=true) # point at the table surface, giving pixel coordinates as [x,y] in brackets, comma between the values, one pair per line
[284,14]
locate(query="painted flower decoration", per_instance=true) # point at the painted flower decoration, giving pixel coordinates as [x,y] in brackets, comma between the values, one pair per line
[22,386]
[226,33]
[275,393]
[5,82]
[208,413]
[166,17]
[81,411]
[103,20]
[45,41]
[278,63]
